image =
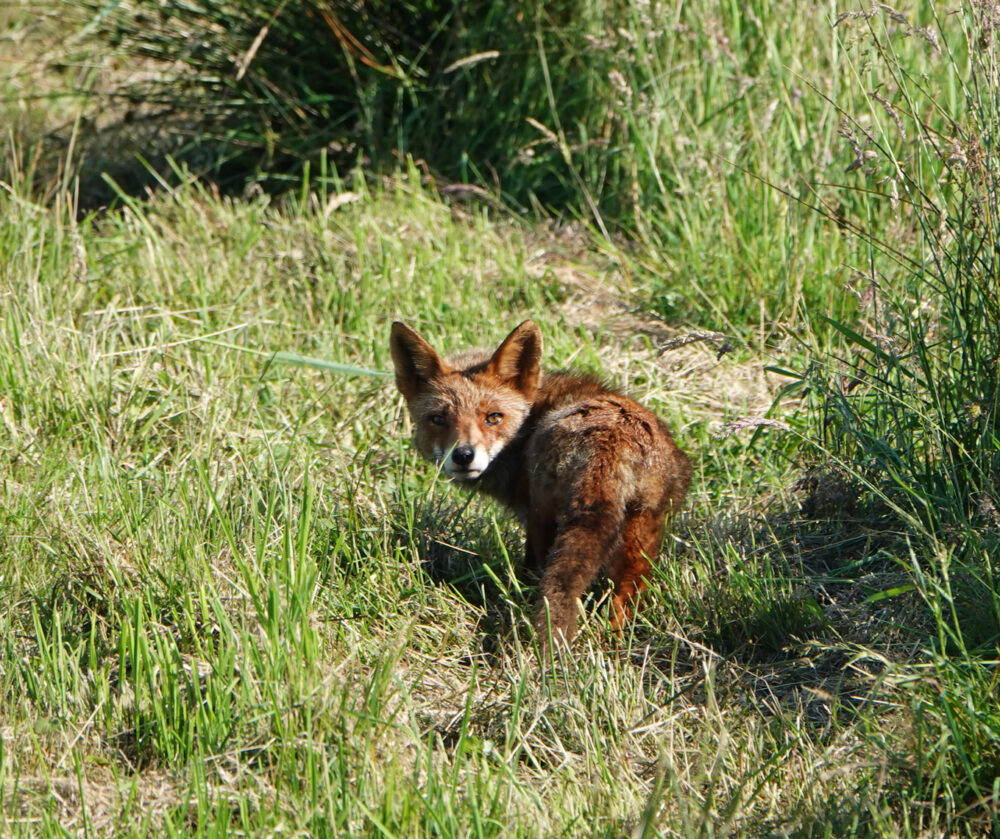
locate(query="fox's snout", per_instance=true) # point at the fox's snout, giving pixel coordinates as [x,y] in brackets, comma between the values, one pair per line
[463,456]
[463,461]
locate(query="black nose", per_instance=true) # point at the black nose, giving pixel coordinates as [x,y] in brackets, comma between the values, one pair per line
[463,455]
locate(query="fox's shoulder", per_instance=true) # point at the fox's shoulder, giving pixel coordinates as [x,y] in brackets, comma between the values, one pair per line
[561,389]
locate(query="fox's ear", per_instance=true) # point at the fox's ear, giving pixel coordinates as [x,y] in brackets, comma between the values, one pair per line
[415,360]
[518,359]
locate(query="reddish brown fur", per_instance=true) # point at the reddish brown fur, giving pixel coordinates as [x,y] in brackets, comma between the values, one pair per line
[591,473]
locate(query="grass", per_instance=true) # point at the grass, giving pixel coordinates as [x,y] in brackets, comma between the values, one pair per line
[214,559]
[234,601]
[221,613]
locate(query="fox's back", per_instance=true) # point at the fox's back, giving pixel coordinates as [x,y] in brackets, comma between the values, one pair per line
[581,437]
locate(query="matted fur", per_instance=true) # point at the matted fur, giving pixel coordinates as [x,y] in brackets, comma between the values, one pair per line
[591,473]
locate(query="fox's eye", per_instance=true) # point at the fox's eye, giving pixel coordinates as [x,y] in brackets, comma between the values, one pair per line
[494,419]
[438,419]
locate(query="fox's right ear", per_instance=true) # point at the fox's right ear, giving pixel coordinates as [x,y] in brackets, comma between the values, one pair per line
[517,361]
[415,360]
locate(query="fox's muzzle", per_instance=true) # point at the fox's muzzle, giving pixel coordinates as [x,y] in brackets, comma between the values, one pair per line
[464,462]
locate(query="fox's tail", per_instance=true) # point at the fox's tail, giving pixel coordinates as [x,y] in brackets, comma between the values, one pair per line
[589,535]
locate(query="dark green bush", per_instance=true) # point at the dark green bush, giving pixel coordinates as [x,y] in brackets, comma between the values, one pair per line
[502,95]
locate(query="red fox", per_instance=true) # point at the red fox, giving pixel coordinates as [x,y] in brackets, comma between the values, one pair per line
[591,473]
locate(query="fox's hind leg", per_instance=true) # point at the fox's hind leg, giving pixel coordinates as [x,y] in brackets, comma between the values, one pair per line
[586,535]
[630,566]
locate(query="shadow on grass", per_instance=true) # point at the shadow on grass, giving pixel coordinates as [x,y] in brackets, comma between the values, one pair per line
[800,611]
[136,155]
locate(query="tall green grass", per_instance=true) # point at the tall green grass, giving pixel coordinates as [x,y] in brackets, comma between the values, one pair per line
[911,409]
[495,95]
[916,413]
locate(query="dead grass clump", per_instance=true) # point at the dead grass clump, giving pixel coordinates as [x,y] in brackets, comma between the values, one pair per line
[94,804]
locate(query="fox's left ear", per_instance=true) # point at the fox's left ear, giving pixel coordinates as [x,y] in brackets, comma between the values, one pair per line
[518,359]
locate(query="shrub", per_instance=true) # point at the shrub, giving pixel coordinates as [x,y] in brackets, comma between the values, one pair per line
[497,94]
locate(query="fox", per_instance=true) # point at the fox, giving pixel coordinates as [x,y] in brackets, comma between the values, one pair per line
[591,474]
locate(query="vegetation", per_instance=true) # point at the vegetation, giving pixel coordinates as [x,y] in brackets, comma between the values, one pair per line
[234,601]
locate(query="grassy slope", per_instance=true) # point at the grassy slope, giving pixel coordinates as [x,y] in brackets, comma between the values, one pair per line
[234,600]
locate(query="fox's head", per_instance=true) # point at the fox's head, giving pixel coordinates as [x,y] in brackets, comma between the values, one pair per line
[465,411]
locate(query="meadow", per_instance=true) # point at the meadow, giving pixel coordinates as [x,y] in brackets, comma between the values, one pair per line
[234,601]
